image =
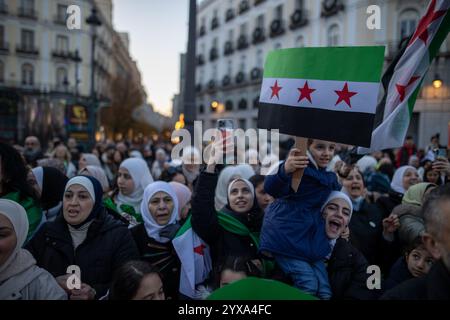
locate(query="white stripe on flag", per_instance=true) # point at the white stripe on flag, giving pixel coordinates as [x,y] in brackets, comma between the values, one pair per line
[324,97]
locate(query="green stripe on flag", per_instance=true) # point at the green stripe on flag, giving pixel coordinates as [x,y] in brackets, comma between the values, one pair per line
[441,34]
[362,64]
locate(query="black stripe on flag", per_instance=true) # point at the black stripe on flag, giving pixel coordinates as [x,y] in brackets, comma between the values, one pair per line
[353,128]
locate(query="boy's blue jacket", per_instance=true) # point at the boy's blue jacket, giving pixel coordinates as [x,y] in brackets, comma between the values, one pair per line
[293,224]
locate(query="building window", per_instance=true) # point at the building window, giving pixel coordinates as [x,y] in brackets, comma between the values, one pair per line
[62,43]
[260,21]
[259,59]
[299,42]
[333,38]
[27,74]
[61,77]
[243,29]
[2,36]
[408,22]
[201,109]
[230,35]
[62,12]
[242,65]
[279,12]
[242,104]
[228,105]
[256,103]
[2,71]
[230,68]
[277,45]
[298,4]
[242,124]
[27,6]
[27,39]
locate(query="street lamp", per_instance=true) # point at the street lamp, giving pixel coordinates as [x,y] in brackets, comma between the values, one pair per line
[94,21]
[437,82]
[77,59]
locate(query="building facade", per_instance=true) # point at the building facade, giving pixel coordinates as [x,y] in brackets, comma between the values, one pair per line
[45,67]
[234,37]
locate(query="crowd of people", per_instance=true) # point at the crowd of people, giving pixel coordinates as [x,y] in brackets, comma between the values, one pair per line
[115,212]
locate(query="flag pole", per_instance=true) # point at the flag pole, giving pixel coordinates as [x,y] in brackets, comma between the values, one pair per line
[301,144]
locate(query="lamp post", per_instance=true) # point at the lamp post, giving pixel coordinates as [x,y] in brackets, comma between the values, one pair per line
[77,59]
[94,21]
[189,83]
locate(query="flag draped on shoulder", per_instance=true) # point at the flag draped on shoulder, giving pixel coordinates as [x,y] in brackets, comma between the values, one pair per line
[405,75]
[195,258]
[324,93]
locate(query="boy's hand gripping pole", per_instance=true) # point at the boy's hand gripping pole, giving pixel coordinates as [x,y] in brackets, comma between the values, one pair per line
[301,144]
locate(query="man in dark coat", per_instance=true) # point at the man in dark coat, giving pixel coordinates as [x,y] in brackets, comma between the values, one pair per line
[436,284]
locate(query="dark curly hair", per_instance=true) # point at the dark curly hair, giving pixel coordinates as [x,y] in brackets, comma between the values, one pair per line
[13,175]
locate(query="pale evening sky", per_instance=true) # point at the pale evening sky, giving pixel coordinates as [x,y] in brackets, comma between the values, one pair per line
[158,34]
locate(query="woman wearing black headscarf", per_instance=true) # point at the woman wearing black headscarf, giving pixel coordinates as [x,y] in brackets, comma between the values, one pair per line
[84,236]
[50,183]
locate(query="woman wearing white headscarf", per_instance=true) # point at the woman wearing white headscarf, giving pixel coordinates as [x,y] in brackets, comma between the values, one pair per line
[159,209]
[99,174]
[404,177]
[159,163]
[132,178]
[20,278]
[228,174]
[88,159]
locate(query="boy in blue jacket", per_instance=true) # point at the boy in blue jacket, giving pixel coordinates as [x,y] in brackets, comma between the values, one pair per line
[293,230]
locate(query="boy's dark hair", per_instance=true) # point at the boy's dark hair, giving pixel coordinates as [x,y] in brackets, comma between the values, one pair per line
[14,173]
[240,264]
[416,242]
[127,279]
[256,180]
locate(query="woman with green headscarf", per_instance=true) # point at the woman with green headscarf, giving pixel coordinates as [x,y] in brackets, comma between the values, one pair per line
[410,212]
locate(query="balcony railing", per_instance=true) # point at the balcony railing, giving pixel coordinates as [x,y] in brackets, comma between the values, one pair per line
[214,23]
[62,54]
[244,6]
[258,35]
[27,49]
[240,77]
[213,54]
[298,19]
[228,48]
[202,31]
[330,8]
[200,60]
[277,28]
[229,15]
[242,42]
[27,13]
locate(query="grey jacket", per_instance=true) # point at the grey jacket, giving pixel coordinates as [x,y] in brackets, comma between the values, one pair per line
[32,283]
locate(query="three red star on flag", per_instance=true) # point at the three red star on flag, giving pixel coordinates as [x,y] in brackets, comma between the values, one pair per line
[275,90]
[305,93]
[425,22]
[345,95]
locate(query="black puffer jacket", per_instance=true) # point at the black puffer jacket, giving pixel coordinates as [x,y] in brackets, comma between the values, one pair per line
[206,224]
[347,273]
[108,245]
[435,285]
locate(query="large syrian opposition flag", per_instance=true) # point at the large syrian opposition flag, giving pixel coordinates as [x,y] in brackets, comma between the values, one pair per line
[323,93]
[195,258]
[403,78]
